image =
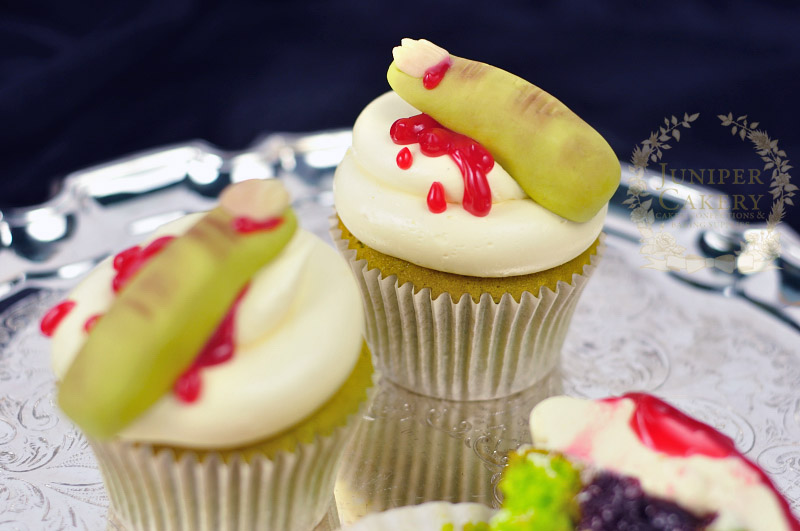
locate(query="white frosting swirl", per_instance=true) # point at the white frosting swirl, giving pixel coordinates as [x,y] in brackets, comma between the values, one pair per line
[385,207]
[599,433]
[298,334]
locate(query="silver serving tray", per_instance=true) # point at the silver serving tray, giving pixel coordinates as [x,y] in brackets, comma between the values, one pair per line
[724,347]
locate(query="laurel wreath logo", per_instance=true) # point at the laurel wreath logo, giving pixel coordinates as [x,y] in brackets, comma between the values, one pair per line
[660,247]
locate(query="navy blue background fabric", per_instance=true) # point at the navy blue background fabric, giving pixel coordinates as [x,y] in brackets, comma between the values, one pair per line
[81,85]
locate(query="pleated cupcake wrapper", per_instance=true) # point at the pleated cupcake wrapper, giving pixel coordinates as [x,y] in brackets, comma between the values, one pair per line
[152,489]
[463,350]
[427,517]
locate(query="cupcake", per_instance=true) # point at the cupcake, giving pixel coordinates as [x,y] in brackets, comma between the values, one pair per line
[215,369]
[470,208]
[626,463]
[634,462]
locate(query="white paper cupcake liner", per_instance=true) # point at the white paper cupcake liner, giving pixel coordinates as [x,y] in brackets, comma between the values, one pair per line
[427,517]
[463,350]
[151,489]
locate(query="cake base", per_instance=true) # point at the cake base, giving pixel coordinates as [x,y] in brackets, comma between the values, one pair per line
[454,347]
[284,482]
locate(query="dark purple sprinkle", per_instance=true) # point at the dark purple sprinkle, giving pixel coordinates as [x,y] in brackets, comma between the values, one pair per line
[617,503]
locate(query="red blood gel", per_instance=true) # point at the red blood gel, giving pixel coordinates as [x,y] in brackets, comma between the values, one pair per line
[54,316]
[218,349]
[123,259]
[668,430]
[122,278]
[187,386]
[473,160]
[434,75]
[90,322]
[406,130]
[435,142]
[404,159]
[244,225]
[477,198]
[129,261]
[436,201]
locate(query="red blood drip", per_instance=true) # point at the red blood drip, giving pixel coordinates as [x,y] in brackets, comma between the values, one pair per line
[436,202]
[54,316]
[129,261]
[472,159]
[665,429]
[188,385]
[122,259]
[404,159]
[244,225]
[218,349]
[90,322]
[434,75]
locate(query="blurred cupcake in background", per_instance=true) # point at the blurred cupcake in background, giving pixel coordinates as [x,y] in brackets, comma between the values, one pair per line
[216,369]
[470,208]
[634,462]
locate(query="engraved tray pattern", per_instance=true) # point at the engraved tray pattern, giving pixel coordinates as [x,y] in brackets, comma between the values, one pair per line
[721,359]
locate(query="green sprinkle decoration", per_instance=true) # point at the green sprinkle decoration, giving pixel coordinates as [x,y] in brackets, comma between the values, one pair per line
[540,491]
